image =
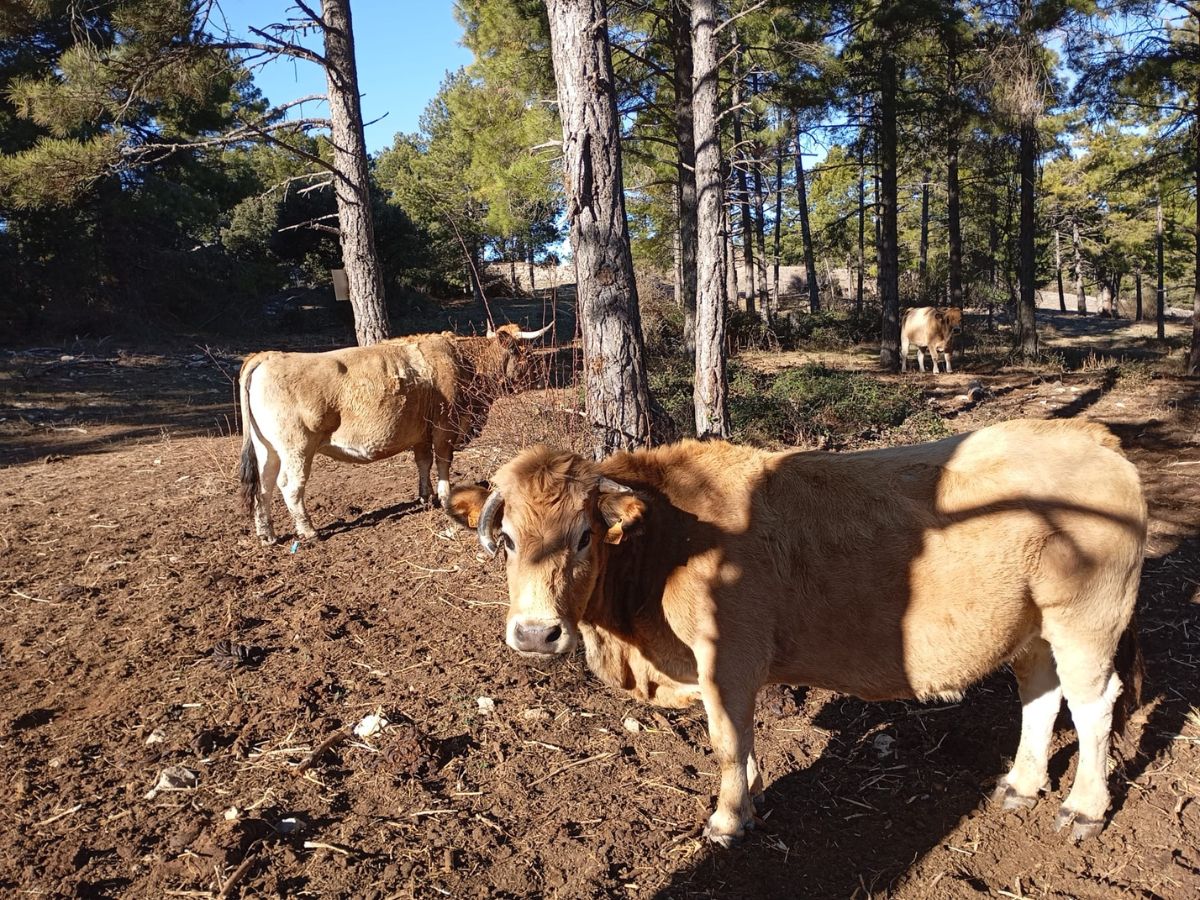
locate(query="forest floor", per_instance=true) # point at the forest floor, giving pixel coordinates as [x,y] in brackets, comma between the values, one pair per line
[124,561]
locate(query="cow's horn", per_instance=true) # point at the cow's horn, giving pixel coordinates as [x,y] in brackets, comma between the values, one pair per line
[484,528]
[531,335]
[491,332]
[608,486]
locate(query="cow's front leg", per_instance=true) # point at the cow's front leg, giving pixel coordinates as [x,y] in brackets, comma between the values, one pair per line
[730,710]
[946,359]
[443,454]
[921,359]
[423,456]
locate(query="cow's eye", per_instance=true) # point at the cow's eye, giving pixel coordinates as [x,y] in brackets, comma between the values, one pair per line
[584,540]
[507,543]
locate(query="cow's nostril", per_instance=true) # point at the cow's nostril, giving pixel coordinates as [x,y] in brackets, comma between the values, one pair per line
[553,634]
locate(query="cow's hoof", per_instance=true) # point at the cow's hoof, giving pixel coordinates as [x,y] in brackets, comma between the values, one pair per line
[267,540]
[726,841]
[1082,827]
[1007,797]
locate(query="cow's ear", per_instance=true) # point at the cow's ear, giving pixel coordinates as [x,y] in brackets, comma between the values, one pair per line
[621,510]
[466,503]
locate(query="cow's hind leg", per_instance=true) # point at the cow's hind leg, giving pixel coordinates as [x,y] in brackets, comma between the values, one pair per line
[268,474]
[903,354]
[1041,699]
[1091,687]
[946,360]
[921,358]
[292,480]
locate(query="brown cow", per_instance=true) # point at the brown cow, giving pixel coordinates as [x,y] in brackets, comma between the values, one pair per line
[929,326]
[703,571]
[426,393]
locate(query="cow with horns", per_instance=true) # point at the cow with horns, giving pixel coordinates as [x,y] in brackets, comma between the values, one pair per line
[703,571]
[427,393]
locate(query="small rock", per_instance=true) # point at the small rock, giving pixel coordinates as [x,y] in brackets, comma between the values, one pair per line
[632,725]
[883,745]
[534,714]
[486,705]
[290,825]
[231,814]
[369,726]
[174,778]
[157,736]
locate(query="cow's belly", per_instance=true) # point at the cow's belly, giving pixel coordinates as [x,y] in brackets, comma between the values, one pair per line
[926,641]
[369,444]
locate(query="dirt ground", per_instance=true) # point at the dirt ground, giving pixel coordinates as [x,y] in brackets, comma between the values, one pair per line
[125,562]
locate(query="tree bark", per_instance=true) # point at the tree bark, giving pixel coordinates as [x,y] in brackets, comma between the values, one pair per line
[778,229]
[740,163]
[618,394]
[923,249]
[1160,294]
[352,184]
[953,214]
[710,388]
[862,213]
[1193,367]
[1062,296]
[1080,293]
[681,38]
[889,267]
[760,236]
[1137,295]
[1026,319]
[810,259]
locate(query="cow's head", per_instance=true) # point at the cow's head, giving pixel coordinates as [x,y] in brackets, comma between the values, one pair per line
[554,516]
[508,357]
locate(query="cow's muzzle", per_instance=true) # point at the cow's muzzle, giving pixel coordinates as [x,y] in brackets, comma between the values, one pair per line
[540,638]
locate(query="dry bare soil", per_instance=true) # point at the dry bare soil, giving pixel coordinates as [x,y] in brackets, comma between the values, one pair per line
[124,561]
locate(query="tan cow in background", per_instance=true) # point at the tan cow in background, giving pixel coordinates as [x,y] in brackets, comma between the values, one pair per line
[703,571]
[929,326]
[427,393]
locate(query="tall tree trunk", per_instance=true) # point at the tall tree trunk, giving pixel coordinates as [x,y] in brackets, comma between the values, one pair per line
[1105,286]
[681,38]
[1194,355]
[810,260]
[1160,294]
[1062,296]
[731,279]
[740,163]
[1077,246]
[710,388]
[778,229]
[953,214]
[532,275]
[1137,294]
[352,183]
[923,249]
[1118,278]
[618,394]
[862,221]
[1026,320]
[889,264]
[760,234]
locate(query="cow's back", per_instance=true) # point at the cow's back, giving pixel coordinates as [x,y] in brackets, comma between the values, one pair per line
[360,403]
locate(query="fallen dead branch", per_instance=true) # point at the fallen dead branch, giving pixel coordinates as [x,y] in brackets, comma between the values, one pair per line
[320,750]
[571,765]
[237,875]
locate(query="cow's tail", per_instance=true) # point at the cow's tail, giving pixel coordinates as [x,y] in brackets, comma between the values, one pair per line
[248,469]
[1131,670]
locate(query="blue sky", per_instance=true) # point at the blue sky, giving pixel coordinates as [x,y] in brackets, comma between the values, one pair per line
[404,49]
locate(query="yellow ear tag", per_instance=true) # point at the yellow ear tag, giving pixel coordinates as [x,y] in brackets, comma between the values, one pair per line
[614,534]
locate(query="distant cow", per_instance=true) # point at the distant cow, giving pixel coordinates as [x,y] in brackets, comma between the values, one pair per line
[929,326]
[426,393]
[703,571]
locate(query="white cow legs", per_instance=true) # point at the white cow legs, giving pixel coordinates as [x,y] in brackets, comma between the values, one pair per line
[1041,699]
